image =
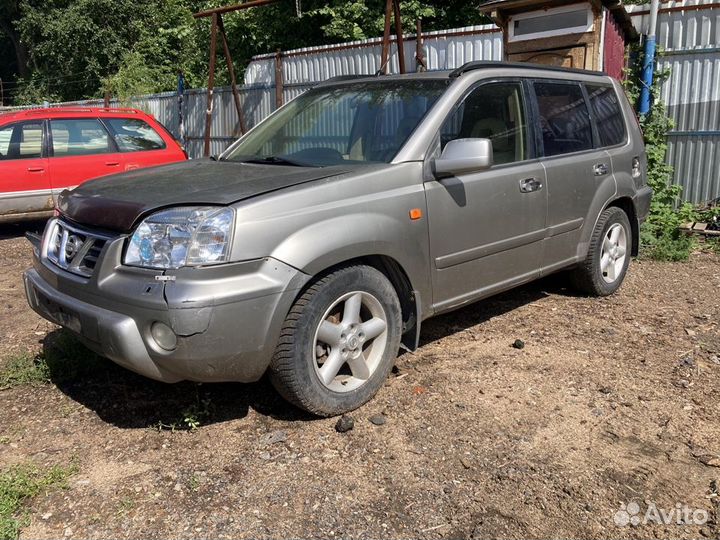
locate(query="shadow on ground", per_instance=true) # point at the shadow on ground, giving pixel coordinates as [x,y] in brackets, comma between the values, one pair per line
[127,400]
[18,230]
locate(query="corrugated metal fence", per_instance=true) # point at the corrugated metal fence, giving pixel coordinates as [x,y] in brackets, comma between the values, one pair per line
[688,37]
[688,34]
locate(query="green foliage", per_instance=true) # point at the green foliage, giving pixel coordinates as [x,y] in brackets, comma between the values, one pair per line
[77,49]
[20,483]
[75,45]
[660,235]
[366,18]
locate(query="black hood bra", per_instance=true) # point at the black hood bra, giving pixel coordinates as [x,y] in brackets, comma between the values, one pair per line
[118,201]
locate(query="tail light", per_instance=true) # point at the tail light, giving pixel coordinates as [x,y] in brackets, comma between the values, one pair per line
[636,172]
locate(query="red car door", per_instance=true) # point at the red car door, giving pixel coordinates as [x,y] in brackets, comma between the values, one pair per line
[82,149]
[24,177]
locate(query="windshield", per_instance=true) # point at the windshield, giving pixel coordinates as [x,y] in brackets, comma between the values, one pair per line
[361,123]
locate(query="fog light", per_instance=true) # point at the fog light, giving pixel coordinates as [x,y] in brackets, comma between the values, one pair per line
[163,336]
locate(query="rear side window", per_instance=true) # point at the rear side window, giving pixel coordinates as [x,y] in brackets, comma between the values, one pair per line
[134,135]
[608,114]
[21,141]
[79,137]
[564,118]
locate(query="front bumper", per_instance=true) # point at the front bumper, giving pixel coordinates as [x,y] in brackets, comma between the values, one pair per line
[227,318]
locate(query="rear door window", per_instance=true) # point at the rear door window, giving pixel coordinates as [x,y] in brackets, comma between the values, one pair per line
[79,137]
[608,114]
[134,135]
[21,141]
[564,118]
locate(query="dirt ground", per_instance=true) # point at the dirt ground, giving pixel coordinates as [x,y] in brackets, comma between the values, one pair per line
[611,401]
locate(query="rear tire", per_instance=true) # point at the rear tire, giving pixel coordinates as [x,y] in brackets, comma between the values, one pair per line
[606,264]
[339,341]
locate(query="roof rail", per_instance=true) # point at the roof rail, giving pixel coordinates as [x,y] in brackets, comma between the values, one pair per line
[44,110]
[487,64]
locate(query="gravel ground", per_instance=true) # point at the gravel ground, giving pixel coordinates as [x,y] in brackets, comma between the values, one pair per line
[610,402]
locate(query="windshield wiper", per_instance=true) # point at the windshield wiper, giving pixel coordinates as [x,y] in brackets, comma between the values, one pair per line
[276,160]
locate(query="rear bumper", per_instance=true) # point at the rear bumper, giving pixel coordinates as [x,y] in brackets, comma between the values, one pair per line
[227,319]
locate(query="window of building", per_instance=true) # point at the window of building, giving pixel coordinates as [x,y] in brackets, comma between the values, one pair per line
[575,19]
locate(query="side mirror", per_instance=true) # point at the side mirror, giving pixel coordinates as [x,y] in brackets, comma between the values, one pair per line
[464,156]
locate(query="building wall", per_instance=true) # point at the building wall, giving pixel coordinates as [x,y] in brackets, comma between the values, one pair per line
[613,48]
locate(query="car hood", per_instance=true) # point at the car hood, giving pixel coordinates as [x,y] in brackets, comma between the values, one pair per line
[118,201]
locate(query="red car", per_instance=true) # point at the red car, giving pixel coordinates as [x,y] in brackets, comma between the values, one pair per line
[44,151]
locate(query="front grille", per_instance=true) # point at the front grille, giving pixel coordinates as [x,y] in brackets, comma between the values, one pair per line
[74,249]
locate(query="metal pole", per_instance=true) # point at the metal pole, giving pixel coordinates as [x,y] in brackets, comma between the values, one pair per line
[231,71]
[279,82]
[648,60]
[399,34]
[421,65]
[385,56]
[235,7]
[211,83]
[180,96]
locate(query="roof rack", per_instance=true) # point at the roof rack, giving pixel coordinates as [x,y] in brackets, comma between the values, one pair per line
[487,64]
[44,110]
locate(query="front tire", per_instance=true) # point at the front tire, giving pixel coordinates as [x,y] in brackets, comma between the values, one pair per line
[339,341]
[606,264]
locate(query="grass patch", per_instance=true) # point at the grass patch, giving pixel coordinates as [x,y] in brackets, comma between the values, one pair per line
[64,359]
[20,483]
[24,369]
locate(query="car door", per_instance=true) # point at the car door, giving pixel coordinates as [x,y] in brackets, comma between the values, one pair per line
[24,177]
[486,228]
[81,149]
[573,166]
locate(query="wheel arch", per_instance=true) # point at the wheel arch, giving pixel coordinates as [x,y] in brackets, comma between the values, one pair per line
[409,296]
[626,205]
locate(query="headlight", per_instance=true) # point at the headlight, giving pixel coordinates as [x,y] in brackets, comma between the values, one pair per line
[183,236]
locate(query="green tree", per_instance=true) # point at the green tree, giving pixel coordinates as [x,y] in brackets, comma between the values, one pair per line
[76,49]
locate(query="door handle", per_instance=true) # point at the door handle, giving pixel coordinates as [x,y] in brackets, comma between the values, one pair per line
[112,163]
[36,169]
[528,185]
[600,169]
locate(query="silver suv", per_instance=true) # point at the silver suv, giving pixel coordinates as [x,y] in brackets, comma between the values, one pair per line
[316,245]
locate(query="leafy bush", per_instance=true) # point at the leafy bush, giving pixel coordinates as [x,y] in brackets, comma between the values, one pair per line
[660,236]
